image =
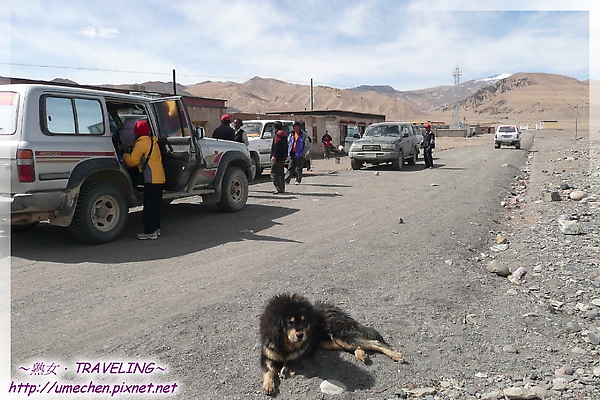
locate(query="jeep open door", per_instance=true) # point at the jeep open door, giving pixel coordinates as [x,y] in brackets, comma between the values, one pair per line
[181,153]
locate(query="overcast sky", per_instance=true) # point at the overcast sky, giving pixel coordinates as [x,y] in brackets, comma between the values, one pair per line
[406,44]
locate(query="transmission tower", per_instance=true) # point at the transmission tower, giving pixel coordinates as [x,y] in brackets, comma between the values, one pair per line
[455,101]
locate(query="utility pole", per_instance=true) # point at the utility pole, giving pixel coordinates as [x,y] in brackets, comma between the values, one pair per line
[576,119]
[312,94]
[456,104]
[174,84]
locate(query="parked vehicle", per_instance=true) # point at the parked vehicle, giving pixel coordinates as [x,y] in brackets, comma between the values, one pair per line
[394,142]
[260,137]
[352,134]
[508,135]
[63,148]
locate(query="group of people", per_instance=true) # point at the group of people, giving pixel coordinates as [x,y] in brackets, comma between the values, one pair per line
[141,155]
[226,132]
[295,148]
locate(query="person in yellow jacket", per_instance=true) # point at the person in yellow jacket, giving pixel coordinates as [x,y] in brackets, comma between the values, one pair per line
[145,154]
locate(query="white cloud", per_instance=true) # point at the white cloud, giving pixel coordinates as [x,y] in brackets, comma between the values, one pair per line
[104,33]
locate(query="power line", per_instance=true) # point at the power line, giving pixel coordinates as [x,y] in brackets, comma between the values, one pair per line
[156,73]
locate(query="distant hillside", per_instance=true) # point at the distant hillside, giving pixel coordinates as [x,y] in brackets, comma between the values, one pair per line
[434,97]
[523,97]
[528,97]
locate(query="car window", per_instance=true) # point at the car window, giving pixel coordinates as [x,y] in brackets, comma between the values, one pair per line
[374,130]
[171,119]
[8,112]
[507,129]
[252,129]
[70,116]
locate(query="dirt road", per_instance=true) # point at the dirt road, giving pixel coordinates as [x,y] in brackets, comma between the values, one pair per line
[190,301]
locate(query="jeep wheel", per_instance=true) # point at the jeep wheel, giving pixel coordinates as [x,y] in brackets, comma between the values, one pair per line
[234,190]
[100,215]
[415,156]
[257,167]
[355,164]
[398,163]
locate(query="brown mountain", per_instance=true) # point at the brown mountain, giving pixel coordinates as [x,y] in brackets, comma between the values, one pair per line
[525,98]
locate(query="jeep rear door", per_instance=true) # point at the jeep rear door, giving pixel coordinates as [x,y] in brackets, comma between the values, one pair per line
[181,152]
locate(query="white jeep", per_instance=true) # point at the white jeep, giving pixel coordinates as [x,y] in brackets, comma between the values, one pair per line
[508,135]
[62,147]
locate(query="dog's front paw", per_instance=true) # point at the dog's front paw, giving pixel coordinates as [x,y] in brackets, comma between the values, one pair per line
[269,387]
[286,372]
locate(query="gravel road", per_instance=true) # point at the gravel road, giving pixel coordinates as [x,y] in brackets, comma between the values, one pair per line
[191,300]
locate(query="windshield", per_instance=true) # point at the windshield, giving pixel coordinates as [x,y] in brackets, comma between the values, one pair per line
[252,129]
[8,112]
[382,130]
[507,129]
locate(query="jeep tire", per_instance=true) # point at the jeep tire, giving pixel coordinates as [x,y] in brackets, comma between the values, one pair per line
[355,164]
[415,156]
[101,213]
[398,163]
[234,190]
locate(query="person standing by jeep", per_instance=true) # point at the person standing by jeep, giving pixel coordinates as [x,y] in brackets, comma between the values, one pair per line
[145,154]
[224,131]
[279,153]
[428,145]
[239,134]
[296,153]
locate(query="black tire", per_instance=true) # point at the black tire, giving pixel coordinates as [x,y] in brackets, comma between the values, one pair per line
[517,146]
[414,158]
[257,168]
[101,213]
[234,190]
[398,163]
[497,145]
[355,164]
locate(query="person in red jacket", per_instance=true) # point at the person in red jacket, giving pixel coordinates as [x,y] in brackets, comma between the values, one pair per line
[326,139]
[145,154]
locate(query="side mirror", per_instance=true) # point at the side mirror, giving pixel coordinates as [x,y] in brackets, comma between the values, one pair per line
[405,134]
[199,132]
[267,135]
[356,136]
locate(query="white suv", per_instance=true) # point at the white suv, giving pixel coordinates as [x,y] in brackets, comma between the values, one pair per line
[62,147]
[508,135]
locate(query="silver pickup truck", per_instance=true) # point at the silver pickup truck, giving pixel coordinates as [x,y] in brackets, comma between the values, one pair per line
[386,142]
[61,153]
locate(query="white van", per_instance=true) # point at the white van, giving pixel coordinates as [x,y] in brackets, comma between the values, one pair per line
[260,138]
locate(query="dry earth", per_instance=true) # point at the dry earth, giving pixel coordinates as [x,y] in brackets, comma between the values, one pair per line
[190,301]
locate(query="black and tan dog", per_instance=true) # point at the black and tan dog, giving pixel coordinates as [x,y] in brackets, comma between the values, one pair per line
[291,328]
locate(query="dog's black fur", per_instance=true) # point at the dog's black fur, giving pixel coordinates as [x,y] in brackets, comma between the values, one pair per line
[291,328]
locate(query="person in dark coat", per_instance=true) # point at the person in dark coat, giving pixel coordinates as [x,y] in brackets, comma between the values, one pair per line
[279,153]
[428,145]
[224,131]
[240,134]
[296,153]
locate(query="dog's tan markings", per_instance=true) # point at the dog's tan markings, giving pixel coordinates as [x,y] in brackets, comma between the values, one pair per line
[286,372]
[375,345]
[362,355]
[359,349]
[269,386]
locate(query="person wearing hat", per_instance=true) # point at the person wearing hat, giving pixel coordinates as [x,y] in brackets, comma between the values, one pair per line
[145,155]
[224,131]
[240,134]
[428,145]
